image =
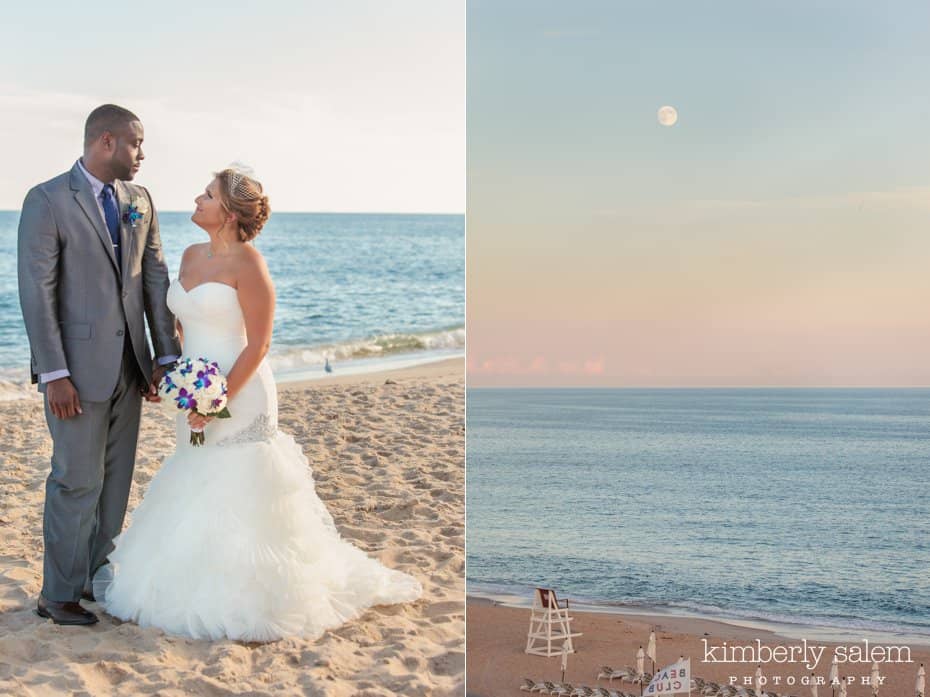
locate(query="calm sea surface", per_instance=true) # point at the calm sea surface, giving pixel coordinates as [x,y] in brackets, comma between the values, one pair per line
[807,507]
[363,290]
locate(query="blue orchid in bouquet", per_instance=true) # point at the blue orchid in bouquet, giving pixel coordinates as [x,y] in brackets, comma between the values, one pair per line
[168,384]
[195,385]
[186,400]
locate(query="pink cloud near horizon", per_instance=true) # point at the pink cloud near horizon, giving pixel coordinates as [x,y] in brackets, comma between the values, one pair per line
[822,291]
[505,366]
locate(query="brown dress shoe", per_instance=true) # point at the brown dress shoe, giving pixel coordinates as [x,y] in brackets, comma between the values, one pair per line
[64,613]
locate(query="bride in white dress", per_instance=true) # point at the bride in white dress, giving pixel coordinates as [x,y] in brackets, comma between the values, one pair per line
[231,539]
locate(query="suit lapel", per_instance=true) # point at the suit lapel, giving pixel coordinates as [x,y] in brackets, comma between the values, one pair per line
[126,233]
[84,195]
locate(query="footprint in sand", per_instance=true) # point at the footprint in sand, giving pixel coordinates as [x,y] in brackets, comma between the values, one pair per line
[444,608]
[450,663]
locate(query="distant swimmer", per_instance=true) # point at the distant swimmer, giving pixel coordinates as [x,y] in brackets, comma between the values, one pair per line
[326,366]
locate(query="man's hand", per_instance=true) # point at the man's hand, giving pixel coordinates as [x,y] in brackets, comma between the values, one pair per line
[158,372]
[63,398]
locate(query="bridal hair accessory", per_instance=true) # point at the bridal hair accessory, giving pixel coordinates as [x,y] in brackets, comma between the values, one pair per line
[240,178]
[195,385]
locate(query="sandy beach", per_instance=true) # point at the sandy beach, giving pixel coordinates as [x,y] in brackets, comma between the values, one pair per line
[497,662]
[388,457]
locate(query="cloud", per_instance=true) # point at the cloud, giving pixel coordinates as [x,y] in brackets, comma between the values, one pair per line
[593,366]
[538,365]
[904,197]
[692,210]
[314,150]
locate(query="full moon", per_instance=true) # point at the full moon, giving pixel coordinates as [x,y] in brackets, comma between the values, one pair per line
[668,116]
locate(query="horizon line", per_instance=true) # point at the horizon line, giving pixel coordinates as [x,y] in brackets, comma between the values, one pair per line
[695,387]
[170,210]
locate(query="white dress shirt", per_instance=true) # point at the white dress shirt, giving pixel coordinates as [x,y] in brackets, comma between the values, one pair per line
[97,186]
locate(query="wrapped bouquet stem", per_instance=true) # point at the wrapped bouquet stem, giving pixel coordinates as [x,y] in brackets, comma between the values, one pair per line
[195,385]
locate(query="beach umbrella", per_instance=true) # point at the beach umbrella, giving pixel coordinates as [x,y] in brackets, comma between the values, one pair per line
[640,661]
[814,689]
[834,673]
[564,659]
[875,679]
[921,680]
[651,649]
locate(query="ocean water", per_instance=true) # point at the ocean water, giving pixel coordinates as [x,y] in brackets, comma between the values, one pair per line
[363,290]
[807,508]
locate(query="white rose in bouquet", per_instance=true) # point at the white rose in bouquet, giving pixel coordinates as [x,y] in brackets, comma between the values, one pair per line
[195,385]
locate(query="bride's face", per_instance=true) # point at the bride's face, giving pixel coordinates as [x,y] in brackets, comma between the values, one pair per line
[210,214]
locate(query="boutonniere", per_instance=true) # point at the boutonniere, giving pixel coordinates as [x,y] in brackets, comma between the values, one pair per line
[134,212]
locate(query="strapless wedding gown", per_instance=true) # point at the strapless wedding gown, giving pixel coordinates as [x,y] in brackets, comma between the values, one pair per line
[231,539]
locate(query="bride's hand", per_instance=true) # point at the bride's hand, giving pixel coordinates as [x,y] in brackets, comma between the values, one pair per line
[197,421]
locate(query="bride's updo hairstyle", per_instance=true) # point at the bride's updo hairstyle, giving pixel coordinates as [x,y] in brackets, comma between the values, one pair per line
[242,196]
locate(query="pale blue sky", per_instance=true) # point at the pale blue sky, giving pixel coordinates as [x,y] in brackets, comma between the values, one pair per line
[775,98]
[777,234]
[355,106]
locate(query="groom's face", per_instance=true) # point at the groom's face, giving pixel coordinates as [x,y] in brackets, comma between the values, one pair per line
[127,154]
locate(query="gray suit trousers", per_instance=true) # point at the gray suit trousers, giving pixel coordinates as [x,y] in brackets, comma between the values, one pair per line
[87,491]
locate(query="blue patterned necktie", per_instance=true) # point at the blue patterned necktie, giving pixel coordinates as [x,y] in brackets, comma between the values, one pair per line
[111,212]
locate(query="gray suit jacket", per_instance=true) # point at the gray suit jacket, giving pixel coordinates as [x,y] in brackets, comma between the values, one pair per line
[76,302]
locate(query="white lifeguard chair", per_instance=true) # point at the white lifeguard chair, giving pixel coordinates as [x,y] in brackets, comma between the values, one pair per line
[550,625]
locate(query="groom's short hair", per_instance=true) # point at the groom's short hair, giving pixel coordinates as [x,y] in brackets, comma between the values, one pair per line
[107,117]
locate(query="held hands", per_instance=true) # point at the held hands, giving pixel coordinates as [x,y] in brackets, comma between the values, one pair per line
[158,372]
[63,398]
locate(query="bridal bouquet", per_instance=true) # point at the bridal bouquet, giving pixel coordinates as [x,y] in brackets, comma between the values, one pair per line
[195,385]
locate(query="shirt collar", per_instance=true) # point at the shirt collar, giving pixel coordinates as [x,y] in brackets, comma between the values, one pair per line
[95,183]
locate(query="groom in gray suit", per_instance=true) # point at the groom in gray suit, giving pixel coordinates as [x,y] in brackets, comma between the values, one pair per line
[91,271]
